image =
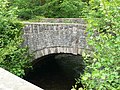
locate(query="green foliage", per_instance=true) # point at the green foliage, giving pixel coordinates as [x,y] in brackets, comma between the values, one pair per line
[28,9]
[63,8]
[103,71]
[25,8]
[13,57]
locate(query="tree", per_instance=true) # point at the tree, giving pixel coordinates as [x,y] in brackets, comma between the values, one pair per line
[49,8]
[63,8]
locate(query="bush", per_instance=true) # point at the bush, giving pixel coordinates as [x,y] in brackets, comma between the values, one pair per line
[13,57]
[25,8]
[103,71]
[63,8]
[49,8]
[25,14]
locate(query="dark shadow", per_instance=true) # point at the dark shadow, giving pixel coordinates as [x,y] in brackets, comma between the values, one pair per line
[53,72]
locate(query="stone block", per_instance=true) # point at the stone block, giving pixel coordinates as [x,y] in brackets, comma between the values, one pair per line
[42,52]
[79,51]
[38,54]
[75,50]
[46,51]
[52,50]
[64,49]
[67,50]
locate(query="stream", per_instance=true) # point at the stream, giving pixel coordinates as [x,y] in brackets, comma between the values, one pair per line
[48,74]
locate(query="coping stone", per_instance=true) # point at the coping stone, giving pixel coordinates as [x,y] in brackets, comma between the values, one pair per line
[9,81]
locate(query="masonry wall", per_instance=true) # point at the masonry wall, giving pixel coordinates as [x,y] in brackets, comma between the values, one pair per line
[39,36]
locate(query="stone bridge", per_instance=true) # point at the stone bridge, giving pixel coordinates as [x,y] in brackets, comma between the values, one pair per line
[49,37]
[55,36]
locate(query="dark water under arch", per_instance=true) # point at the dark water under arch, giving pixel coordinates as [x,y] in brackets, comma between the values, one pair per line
[56,71]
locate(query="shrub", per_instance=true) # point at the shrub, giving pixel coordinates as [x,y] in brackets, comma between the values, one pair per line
[103,71]
[13,57]
[63,8]
[49,8]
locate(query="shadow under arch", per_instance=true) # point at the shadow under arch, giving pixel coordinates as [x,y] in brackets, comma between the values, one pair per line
[56,71]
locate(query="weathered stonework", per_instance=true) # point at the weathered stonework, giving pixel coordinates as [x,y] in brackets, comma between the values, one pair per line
[48,38]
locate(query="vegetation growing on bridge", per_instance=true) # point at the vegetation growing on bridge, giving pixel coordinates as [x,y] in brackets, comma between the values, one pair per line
[103,16]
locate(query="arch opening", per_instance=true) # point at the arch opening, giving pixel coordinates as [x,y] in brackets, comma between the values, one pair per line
[56,71]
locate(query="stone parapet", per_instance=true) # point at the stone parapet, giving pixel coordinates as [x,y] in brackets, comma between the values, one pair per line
[8,81]
[62,20]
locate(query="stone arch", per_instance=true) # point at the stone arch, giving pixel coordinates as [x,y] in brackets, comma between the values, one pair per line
[48,38]
[52,50]
[71,65]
